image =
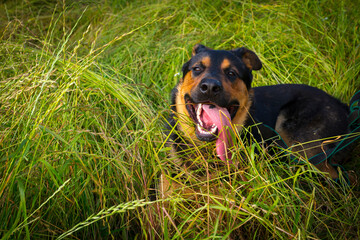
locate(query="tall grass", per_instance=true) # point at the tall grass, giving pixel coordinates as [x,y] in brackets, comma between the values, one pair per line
[84,94]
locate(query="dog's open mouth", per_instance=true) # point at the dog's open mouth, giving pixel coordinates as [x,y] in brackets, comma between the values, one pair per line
[213,123]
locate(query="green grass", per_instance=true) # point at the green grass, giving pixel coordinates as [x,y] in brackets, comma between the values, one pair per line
[84,93]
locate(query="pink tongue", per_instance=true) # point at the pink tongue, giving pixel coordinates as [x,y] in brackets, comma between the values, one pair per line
[221,118]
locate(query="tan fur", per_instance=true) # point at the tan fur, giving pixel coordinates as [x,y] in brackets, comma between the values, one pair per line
[240,92]
[225,64]
[185,87]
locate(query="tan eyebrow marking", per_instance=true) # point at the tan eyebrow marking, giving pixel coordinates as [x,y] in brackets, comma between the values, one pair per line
[225,64]
[206,61]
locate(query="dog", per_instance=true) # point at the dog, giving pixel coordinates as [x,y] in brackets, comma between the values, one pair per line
[214,98]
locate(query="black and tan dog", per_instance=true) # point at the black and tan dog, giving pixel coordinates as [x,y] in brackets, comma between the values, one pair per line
[214,97]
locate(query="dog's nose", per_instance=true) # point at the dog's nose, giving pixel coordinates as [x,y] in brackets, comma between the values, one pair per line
[211,87]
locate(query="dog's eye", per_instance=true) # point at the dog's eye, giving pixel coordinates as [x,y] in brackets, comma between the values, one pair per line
[231,73]
[197,69]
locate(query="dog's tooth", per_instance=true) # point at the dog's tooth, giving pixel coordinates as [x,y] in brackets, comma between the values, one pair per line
[198,110]
[213,128]
[200,122]
[200,129]
[198,113]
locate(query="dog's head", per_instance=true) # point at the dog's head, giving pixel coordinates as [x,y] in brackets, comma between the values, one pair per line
[214,93]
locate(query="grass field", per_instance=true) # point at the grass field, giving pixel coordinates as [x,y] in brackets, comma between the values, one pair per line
[84,94]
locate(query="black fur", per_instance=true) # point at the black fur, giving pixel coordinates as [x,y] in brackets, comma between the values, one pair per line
[302,113]
[310,112]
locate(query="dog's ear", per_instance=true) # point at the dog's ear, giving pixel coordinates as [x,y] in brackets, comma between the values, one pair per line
[250,59]
[199,48]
